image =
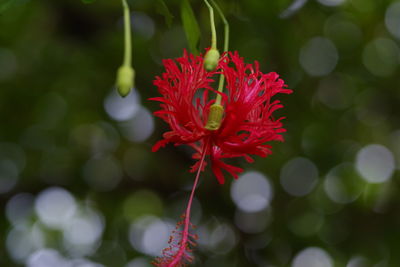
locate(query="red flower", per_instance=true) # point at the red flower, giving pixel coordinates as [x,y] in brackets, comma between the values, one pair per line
[247,125]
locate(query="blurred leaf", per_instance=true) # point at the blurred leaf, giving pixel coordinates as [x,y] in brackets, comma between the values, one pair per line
[5,4]
[88,1]
[191,26]
[162,9]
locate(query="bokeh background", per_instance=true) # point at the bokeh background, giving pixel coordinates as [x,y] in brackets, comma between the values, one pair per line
[79,185]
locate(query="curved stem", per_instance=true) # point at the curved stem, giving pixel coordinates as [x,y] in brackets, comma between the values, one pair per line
[212,24]
[185,234]
[226,25]
[226,48]
[127,33]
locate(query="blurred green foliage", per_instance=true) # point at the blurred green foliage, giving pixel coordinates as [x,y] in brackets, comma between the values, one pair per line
[57,69]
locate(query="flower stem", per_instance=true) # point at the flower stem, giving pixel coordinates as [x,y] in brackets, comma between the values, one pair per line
[212,24]
[185,234]
[226,48]
[226,25]
[127,30]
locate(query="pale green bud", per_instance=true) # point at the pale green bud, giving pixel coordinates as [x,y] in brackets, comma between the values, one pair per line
[211,59]
[125,77]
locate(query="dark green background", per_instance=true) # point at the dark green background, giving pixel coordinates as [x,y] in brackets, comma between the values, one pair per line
[58,61]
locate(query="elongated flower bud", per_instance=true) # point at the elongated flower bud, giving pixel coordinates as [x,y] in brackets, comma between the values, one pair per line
[211,59]
[125,77]
[215,117]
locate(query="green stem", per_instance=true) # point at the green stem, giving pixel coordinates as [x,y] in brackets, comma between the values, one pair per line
[226,47]
[226,25]
[220,89]
[128,41]
[212,24]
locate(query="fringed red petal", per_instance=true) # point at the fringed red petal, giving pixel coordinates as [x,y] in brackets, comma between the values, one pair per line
[248,124]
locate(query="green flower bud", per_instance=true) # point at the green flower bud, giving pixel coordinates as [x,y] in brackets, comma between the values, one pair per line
[211,59]
[125,77]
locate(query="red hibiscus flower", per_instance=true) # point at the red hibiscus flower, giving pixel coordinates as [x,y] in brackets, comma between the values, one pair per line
[247,125]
